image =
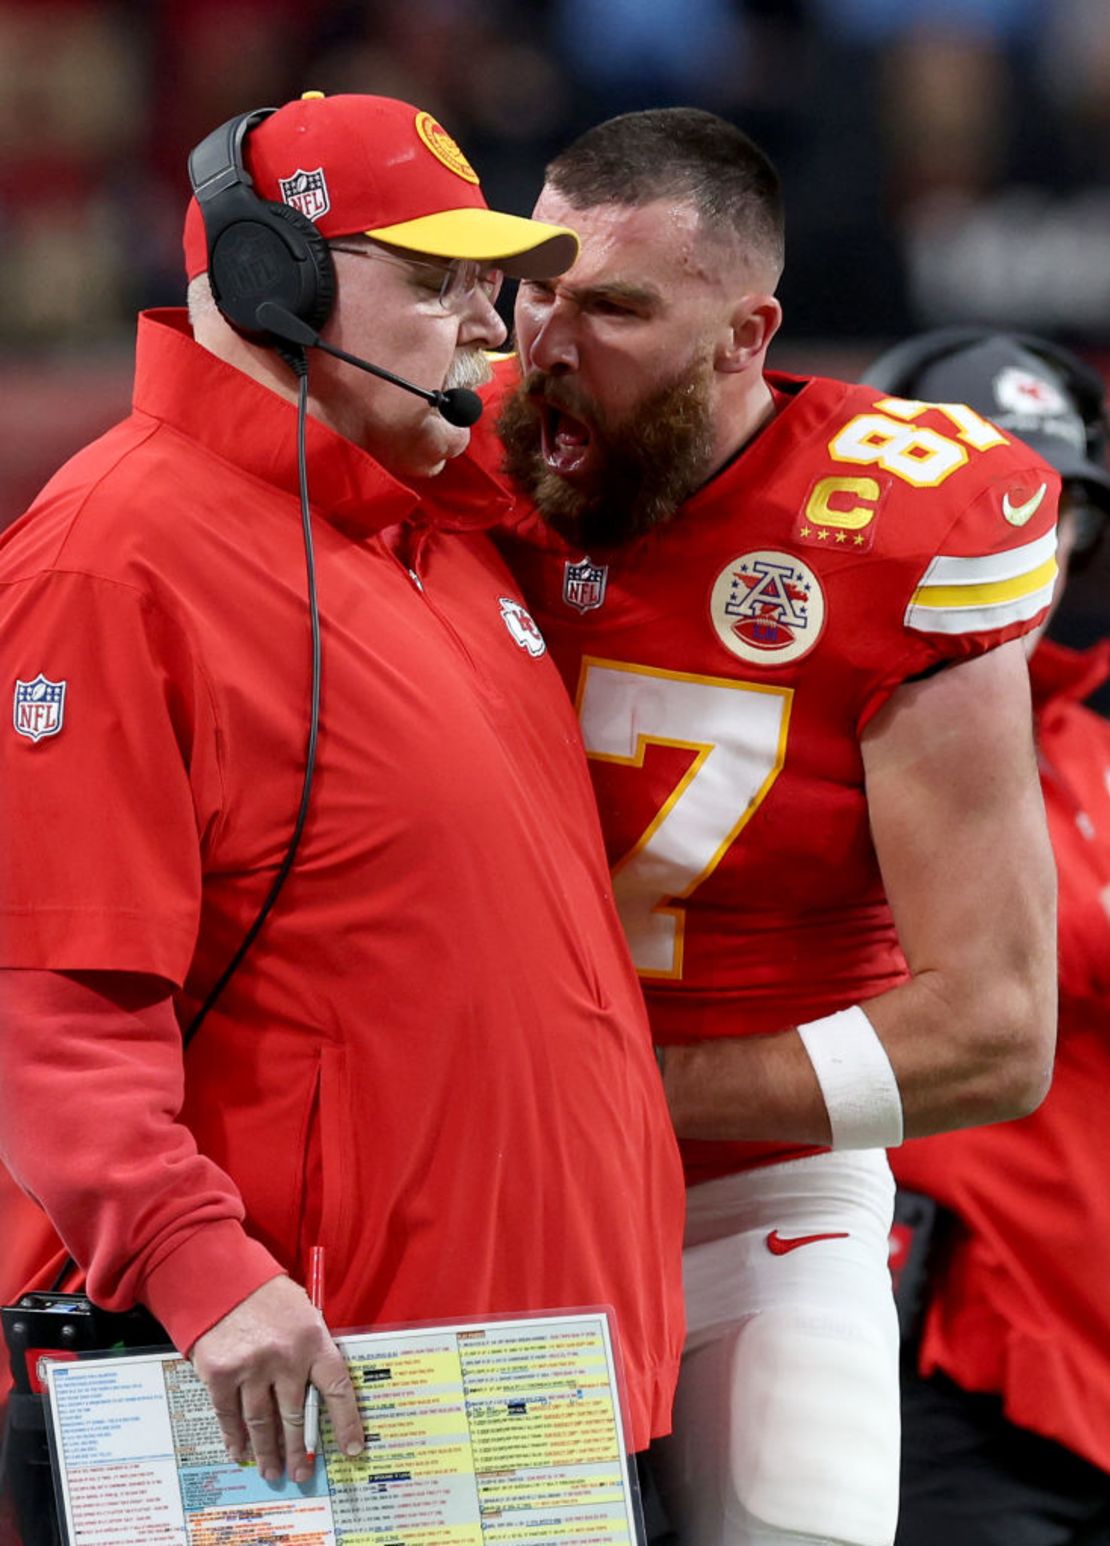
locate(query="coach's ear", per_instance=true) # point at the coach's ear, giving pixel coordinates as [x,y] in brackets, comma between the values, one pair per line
[754,322]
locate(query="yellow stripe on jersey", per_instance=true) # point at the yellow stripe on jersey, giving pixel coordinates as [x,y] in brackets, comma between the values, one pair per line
[985,595]
[967,595]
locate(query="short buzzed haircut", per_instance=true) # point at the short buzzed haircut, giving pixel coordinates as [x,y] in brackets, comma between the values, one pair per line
[679,153]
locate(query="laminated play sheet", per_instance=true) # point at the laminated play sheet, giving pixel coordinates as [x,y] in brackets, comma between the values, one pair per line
[505,1431]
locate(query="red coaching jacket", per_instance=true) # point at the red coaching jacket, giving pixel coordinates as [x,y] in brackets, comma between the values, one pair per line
[1021,1308]
[435,1059]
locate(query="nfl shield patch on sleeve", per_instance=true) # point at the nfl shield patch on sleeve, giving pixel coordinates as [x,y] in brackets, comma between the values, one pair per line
[39,707]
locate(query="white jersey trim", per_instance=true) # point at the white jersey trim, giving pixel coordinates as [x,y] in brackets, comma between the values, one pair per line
[983,593]
[990,567]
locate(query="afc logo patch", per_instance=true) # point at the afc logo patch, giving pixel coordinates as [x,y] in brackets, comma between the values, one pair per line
[767,608]
[306,191]
[38,708]
[584,584]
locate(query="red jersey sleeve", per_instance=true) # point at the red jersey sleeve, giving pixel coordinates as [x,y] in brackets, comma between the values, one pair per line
[977,565]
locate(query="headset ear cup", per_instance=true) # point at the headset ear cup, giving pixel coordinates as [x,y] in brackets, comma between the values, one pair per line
[258,249]
[269,252]
[318,286]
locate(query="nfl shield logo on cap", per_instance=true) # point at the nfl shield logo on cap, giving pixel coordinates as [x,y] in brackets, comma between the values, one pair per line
[39,707]
[306,191]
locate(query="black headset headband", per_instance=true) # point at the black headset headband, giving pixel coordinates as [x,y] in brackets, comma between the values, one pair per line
[217,164]
[258,249]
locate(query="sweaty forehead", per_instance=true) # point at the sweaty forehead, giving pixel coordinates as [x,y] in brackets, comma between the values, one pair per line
[657,243]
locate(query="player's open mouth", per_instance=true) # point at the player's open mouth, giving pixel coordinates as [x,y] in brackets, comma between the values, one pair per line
[566,441]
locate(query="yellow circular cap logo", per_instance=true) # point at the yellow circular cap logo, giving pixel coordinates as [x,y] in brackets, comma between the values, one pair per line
[443,147]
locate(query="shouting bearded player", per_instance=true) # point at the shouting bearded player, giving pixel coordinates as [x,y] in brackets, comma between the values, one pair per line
[789,611]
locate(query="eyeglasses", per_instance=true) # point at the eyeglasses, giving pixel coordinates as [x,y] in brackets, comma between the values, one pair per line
[454,282]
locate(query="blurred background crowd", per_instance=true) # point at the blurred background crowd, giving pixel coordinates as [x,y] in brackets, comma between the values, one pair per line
[945,161]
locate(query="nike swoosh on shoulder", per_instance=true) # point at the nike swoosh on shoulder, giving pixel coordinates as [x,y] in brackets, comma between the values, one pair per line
[1017,515]
[779,1246]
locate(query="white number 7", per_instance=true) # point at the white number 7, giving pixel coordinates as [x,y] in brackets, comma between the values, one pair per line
[738,732]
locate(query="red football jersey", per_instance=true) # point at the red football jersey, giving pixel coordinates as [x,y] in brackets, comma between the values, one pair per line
[725,665]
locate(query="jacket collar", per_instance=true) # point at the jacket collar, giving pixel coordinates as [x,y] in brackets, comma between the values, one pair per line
[237,418]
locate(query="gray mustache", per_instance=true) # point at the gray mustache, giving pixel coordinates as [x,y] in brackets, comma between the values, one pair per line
[469,368]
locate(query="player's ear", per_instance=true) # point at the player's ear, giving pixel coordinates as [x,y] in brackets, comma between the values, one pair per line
[754,322]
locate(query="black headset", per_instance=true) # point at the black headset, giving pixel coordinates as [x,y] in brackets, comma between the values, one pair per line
[900,368]
[258,249]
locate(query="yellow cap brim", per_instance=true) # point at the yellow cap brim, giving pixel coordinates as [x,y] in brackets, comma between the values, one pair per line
[524,249]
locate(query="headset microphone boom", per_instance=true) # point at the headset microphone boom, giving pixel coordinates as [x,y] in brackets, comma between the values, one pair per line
[458,405]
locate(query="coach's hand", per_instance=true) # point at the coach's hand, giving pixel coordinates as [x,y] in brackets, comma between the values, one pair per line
[257,1363]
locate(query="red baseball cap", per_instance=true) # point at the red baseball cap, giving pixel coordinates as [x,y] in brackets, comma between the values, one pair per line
[373,166]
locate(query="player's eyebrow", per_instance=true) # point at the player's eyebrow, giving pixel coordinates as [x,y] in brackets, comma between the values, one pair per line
[642,295]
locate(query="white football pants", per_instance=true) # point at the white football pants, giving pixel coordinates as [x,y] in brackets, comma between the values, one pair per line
[786,1426]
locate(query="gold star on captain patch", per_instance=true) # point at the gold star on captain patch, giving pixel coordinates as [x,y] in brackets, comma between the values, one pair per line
[822,536]
[842,536]
[806,531]
[858,539]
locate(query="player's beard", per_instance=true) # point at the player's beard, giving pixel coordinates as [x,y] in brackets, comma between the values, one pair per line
[646,464]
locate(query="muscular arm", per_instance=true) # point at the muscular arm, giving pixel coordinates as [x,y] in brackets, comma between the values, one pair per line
[958,826]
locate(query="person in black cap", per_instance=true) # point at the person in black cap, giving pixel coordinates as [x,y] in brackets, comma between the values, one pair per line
[1007,1424]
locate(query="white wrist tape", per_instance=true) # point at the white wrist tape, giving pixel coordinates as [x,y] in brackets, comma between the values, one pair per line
[861,1093]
